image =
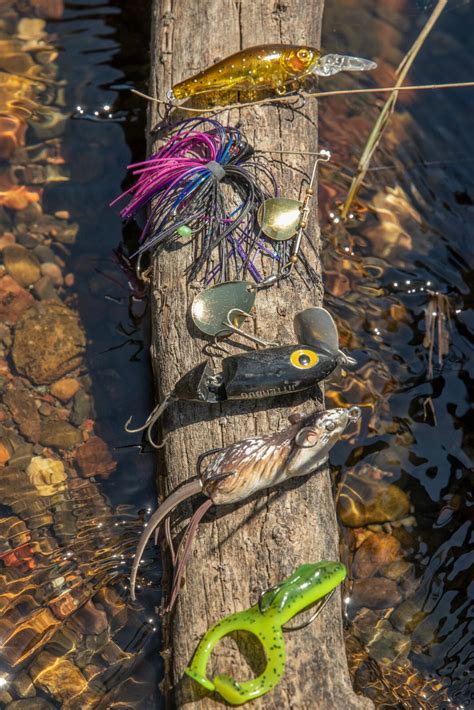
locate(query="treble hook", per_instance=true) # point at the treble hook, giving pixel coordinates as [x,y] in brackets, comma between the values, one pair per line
[150,421]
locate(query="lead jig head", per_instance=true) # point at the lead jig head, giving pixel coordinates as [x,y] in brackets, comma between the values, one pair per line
[309,586]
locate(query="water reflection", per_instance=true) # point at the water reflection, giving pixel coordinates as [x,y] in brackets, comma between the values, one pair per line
[74,493]
[67,529]
[398,276]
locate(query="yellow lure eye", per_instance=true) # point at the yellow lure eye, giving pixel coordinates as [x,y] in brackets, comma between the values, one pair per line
[303,359]
[302,54]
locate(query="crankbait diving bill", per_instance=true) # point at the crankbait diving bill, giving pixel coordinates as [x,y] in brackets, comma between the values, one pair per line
[246,467]
[275,67]
[308,585]
[263,373]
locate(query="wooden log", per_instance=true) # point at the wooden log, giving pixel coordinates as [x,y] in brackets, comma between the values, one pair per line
[238,554]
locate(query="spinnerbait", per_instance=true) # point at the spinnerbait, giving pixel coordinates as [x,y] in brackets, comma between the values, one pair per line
[310,584]
[206,185]
[241,469]
[275,67]
[263,373]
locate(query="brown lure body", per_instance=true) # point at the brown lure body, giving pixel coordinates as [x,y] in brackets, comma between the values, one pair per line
[267,66]
[241,469]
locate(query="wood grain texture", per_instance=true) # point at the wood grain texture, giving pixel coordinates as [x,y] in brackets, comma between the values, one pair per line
[239,553]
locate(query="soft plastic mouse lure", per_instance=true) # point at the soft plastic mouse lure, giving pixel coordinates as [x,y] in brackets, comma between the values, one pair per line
[308,585]
[276,67]
[263,373]
[246,467]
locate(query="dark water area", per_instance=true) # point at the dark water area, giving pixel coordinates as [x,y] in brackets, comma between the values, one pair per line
[408,244]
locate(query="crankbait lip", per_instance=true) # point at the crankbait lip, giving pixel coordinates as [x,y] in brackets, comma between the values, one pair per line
[331,64]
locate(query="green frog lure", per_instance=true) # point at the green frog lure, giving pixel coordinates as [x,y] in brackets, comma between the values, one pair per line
[310,584]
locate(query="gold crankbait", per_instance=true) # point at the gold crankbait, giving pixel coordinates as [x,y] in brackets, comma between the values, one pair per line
[276,67]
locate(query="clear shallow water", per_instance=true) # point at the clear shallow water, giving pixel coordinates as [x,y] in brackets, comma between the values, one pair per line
[418,228]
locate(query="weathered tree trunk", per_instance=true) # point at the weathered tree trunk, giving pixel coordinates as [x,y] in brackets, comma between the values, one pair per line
[238,554]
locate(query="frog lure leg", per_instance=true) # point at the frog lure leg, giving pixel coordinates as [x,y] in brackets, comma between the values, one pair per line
[258,374]
[239,470]
[308,585]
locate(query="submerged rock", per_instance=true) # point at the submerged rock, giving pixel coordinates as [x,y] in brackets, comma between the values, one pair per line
[82,408]
[48,342]
[363,501]
[375,593]
[46,475]
[388,645]
[30,704]
[21,265]
[374,553]
[57,676]
[59,434]
[14,300]
[95,459]
[407,616]
[65,388]
[21,403]
[44,289]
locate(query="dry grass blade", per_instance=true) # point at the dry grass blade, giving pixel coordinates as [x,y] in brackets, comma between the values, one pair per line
[389,106]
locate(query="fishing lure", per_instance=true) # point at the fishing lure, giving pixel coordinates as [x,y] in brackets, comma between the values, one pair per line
[206,186]
[238,471]
[262,373]
[276,67]
[308,585]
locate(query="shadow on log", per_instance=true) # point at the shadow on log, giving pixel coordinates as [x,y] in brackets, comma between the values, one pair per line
[237,555]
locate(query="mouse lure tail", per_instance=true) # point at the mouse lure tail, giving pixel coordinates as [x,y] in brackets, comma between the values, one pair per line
[183,553]
[188,490]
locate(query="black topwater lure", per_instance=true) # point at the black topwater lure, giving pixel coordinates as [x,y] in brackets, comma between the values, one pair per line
[263,373]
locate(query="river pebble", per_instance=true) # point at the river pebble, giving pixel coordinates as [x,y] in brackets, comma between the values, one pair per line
[95,459]
[375,593]
[14,300]
[48,342]
[47,475]
[364,501]
[65,388]
[22,406]
[374,553]
[21,265]
[53,272]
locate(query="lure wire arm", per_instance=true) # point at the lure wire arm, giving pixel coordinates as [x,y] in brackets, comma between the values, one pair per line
[324,156]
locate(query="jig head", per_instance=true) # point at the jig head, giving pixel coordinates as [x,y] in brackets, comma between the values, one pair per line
[310,584]
[274,67]
[263,373]
[241,469]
